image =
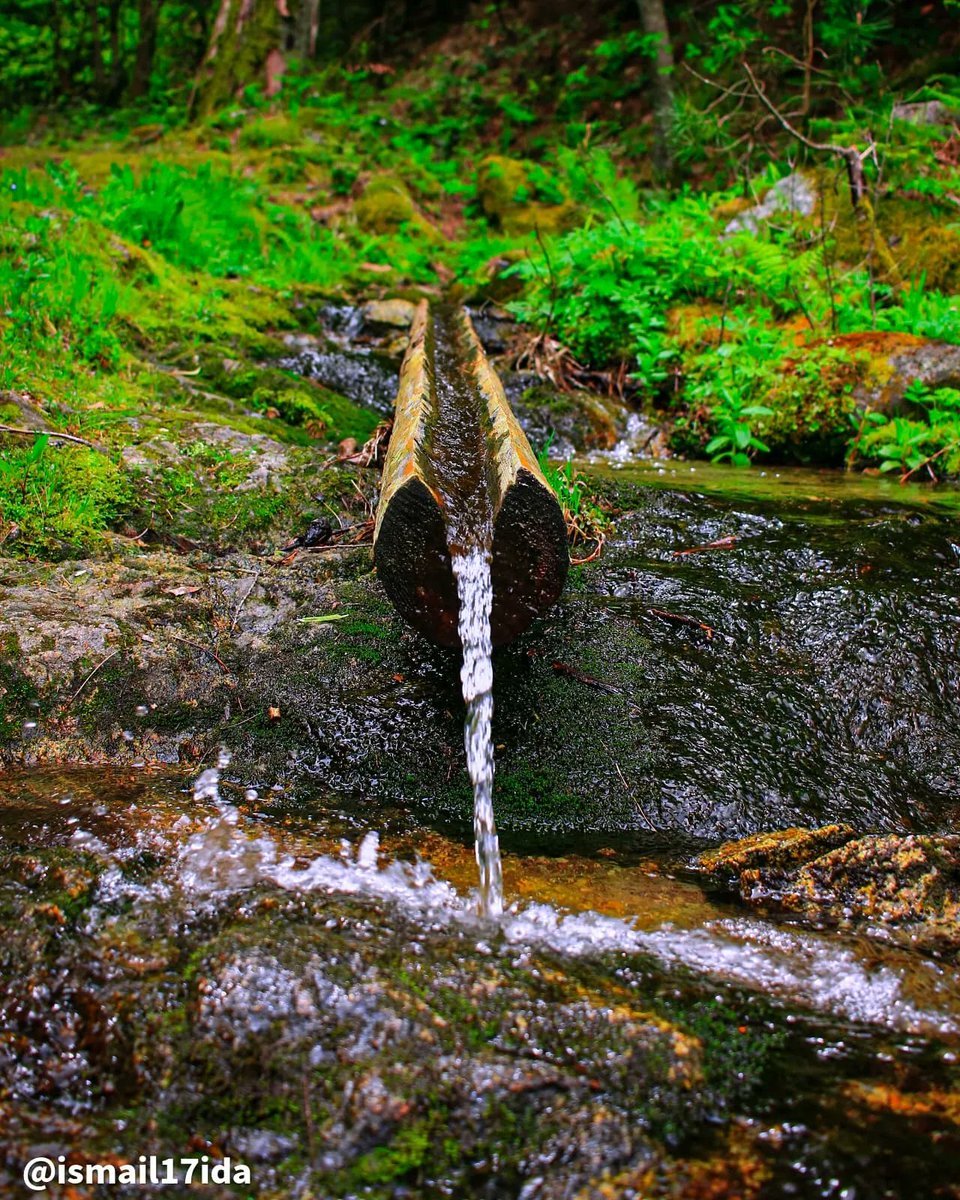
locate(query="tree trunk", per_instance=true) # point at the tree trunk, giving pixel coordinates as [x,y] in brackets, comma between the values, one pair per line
[146,48]
[96,51]
[653,17]
[117,78]
[249,42]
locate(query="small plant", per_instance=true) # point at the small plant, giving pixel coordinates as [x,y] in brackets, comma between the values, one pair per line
[586,522]
[736,440]
[912,445]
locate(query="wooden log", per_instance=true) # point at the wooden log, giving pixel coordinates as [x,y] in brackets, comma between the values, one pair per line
[460,473]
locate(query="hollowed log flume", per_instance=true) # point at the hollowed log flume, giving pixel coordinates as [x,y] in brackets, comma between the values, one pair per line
[460,474]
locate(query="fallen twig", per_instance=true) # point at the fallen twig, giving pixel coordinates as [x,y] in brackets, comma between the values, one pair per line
[91,675]
[563,668]
[636,803]
[206,649]
[725,543]
[51,433]
[679,619]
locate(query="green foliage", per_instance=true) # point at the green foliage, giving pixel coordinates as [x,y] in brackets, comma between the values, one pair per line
[568,488]
[736,440]
[929,442]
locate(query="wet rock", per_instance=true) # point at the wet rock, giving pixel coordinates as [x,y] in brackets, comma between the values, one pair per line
[366,378]
[351,1030]
[906,885]
[805,672]
[569,421]
[902,886]
[333,1053]
[795,193]
[780,850]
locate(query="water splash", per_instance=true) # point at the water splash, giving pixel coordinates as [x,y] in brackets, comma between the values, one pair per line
[475,591]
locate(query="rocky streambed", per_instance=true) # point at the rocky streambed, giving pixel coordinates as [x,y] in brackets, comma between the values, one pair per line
[277,960]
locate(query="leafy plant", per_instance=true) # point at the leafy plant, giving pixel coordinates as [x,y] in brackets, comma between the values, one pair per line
[736,440]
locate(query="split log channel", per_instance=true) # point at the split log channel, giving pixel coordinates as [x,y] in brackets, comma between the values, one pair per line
[460,475]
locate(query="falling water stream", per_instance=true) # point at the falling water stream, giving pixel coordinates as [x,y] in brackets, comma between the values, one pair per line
[475,591]
[459,452]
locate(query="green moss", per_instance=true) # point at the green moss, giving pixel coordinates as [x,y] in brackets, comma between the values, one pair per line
[19,697]
[407,1153]
[267,132]
[61,500]
[509,193]
[385,206]
[933,252]
[811,398]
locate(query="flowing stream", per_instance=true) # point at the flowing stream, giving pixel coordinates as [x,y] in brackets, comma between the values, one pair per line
[458,450]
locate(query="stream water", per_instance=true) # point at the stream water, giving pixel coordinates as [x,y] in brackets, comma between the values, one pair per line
[290,968]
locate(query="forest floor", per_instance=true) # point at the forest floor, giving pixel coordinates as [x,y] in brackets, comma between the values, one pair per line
[157,283]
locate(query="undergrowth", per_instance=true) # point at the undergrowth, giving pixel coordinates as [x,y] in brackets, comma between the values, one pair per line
[131,271]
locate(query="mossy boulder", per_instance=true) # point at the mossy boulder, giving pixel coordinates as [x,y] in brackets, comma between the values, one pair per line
[582,420]
[267,132]
[385,206]
[782,850]
[512,194]
[931,252]
[891,362]
[904,238]
[908,887]
[810,397]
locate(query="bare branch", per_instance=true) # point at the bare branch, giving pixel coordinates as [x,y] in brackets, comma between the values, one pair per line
[52,433]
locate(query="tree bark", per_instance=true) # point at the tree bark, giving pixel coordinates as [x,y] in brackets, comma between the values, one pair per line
[249,42]
[96,50]
[653,17]
[149,12]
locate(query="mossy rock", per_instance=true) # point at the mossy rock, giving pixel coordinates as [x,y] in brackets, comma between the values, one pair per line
[891,361]
[586,420]
[912,238]
[511,193]
[267,132]
[781,849]
[907,886]
[932,253]
[386,206]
